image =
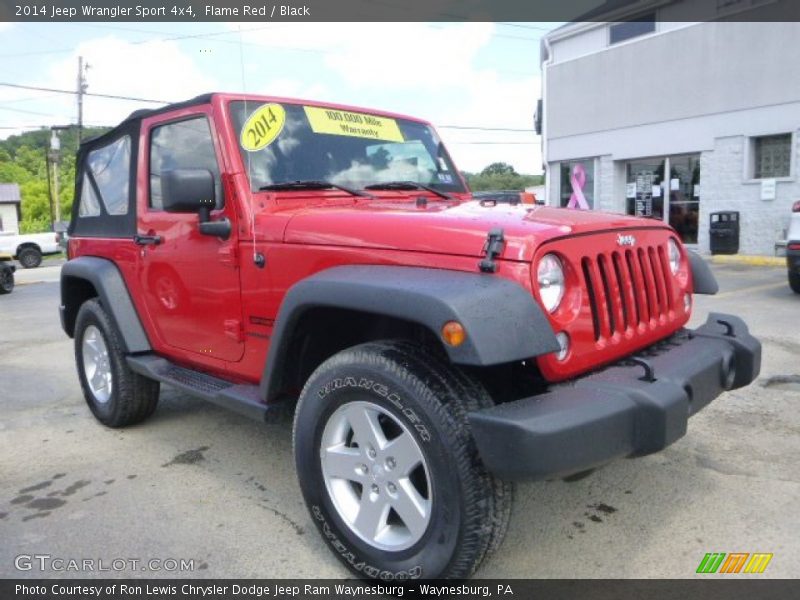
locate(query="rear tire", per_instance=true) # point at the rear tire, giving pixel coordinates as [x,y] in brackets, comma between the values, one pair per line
[6,279]
[116,395]
[29,257]
[415,401]
[794,281]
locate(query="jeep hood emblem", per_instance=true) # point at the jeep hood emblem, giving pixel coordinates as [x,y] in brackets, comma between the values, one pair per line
[625,240]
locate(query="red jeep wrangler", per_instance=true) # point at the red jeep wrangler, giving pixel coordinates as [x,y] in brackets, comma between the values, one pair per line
[268,254]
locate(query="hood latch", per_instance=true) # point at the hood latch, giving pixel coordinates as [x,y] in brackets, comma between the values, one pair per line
[492,248]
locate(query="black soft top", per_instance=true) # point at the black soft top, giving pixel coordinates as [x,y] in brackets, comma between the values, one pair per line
[115,225]
[136,117]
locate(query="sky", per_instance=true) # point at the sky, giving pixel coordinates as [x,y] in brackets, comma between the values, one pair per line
[452,74]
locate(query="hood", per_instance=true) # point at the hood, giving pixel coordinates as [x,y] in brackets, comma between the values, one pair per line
[447,228]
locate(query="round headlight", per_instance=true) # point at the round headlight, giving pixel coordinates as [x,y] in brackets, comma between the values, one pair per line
[550,275]
[674,256]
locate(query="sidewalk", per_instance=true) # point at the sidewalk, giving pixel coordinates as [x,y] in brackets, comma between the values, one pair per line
[746,259]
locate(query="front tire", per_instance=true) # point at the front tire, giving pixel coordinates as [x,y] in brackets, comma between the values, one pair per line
[116,395]
[794,281]
[29,257]
[388,467]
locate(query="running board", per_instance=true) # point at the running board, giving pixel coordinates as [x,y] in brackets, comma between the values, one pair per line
[243,399]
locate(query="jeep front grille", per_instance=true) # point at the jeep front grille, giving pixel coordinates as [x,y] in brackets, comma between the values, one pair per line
[627,289]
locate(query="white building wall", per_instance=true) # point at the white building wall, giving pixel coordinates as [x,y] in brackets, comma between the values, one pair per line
[8,216]
[725,186]
[705,69]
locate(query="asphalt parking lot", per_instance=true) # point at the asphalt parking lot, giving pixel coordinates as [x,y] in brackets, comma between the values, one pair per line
[196,482]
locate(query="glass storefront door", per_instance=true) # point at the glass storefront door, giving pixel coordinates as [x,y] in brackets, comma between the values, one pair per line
[684,200]
[645,196]
[674,199]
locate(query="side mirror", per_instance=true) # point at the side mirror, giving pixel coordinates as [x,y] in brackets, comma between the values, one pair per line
[188,191]
[192,191]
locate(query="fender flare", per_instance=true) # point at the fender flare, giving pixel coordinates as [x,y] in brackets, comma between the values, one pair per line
[702,277]
[502,320]
[107,280]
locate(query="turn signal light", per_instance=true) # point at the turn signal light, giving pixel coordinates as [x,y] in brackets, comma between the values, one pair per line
[453,333]
[796,206]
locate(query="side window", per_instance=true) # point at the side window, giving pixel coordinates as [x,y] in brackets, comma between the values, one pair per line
[89,206]
[110,167]
[182,145]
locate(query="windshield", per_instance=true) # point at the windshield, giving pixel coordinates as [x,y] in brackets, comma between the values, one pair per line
[289,142]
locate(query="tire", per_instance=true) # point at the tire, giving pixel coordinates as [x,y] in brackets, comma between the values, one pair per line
[6,280]
[794,281]
[121,397]
[29,257]
[411,396]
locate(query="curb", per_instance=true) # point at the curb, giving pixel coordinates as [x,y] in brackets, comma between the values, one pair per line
[745,259]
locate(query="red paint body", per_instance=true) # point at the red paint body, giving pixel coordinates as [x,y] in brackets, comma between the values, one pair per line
[205,304]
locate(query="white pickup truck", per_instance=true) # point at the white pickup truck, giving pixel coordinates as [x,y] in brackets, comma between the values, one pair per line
[28,249]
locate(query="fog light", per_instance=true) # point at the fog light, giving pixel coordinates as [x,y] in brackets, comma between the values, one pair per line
[453,333]
[563,345]
[687,302]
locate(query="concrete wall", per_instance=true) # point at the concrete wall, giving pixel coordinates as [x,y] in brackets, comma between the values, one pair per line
[720,67]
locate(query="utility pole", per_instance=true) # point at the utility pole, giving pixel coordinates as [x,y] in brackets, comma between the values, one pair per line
[54,157]
[82,87]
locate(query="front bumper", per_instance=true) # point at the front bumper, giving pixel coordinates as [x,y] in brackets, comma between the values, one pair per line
[632,408]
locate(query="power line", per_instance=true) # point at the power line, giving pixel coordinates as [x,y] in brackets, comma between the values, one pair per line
[74,92]
[28,112]
[26,99]
[135,99]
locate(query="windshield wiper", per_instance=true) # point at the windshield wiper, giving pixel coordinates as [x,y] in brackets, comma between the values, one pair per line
[407,185]
[312,184]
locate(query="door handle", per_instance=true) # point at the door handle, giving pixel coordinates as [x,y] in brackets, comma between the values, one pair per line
[146,240]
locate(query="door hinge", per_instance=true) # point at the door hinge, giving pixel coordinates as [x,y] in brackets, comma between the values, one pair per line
[229,255]
[234,330]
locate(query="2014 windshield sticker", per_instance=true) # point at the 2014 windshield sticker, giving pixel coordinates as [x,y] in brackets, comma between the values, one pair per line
[263,126]
[342,122]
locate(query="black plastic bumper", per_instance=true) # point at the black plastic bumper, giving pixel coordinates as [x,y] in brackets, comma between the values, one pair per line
[627,409]
[793,259]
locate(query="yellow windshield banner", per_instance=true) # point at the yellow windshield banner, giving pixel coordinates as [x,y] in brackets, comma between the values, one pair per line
[342,122]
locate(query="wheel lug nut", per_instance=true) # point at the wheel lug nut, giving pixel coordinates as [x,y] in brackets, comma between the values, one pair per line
[375,488]
[390,463]
[391,487]
[371,452]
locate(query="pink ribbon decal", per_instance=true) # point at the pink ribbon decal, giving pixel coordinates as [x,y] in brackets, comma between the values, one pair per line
[577,180]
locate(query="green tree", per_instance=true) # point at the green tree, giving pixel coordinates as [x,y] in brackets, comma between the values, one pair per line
[498,177]
[498,168]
